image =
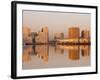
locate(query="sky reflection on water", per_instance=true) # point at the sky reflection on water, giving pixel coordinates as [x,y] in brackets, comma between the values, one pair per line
[58,56]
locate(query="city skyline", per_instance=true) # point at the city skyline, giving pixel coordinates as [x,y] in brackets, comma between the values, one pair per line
[56,38]
[56,22]
[75,36]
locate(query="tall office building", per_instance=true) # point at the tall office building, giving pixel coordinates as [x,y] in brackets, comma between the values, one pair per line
[85,34]
[33,35]
[74,33]
[26,35]
[43,36]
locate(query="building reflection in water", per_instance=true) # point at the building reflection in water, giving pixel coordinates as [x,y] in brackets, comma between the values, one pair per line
[85,50]
[42,52]
[74,53]
[58,49]
[27,50]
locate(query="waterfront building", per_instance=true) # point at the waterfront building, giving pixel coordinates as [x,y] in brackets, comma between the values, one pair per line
[85,35]
[74,34]
[33,35]
[42,36]
[26,35]
[58,36]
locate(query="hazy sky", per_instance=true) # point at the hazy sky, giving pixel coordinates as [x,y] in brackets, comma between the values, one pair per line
[56,21]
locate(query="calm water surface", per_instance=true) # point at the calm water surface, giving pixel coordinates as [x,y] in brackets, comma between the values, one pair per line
[58,56]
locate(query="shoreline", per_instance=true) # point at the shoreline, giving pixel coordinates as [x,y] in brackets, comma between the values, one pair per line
[57,43]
